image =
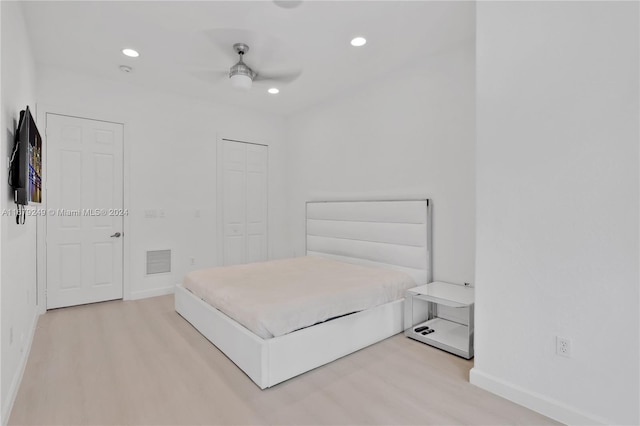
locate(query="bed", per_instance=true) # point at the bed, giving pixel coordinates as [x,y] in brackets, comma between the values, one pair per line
[389,235]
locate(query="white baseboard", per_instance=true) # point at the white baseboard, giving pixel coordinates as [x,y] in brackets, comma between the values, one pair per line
[17,378]
[143,294]
[533,401]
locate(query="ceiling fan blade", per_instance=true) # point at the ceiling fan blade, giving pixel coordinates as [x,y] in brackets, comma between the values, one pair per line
[288,4]
[224,39]
[264,49]
[283,77]
[210,76]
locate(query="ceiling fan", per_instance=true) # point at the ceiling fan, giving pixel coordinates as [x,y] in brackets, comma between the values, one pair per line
[242,76]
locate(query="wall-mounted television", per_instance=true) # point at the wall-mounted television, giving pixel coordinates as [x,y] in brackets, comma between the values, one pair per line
[26,161]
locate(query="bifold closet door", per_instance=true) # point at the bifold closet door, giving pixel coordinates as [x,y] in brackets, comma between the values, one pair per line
[244,202]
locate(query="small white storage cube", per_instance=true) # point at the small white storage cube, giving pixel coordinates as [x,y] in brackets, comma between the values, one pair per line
[421,316]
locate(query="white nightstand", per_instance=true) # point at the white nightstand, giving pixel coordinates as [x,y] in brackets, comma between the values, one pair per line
[421,310]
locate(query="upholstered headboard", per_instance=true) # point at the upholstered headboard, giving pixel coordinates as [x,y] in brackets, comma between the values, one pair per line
[388,234]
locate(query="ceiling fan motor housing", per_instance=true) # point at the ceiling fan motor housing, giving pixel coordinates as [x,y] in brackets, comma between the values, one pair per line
[242,69]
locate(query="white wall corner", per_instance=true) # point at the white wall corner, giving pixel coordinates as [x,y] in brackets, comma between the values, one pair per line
[17,378]
[534,401]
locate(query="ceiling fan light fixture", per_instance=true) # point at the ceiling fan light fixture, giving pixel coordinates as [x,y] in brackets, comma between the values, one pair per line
[241,81]
[240,74]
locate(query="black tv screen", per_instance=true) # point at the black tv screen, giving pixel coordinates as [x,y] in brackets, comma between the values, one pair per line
[26,161]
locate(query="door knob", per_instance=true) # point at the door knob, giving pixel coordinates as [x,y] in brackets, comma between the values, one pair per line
[116,235]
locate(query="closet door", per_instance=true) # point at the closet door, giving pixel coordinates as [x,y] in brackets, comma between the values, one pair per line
[242,202]
[256,203]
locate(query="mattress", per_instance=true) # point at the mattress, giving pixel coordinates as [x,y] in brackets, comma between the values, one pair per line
[280,296]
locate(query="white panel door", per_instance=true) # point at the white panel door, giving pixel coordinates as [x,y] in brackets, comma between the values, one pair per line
[256,202]
[84,211]
[244,202]
[234,202]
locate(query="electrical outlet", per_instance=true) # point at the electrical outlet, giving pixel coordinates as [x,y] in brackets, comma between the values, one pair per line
[563,346]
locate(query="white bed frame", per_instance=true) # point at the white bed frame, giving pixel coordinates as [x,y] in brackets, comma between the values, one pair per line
[389,234]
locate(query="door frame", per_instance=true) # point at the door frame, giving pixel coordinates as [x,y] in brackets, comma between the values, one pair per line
[42,109]
[219,190]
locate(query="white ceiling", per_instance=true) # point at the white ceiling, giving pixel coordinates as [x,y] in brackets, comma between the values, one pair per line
[182,42]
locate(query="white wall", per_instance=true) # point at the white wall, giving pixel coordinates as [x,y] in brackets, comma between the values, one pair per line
[557,211]
[17,242]
[409,134]
[172,145]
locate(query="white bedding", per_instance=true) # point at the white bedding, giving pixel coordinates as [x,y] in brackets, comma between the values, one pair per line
[280,296]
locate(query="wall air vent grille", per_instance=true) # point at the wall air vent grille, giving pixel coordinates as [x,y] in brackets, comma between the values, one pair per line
[158,261]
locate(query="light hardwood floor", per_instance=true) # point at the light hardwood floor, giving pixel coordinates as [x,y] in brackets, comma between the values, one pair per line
[139,362]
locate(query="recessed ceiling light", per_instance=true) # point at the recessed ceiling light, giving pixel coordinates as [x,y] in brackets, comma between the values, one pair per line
[273,91]
[359,41]
[131,53]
